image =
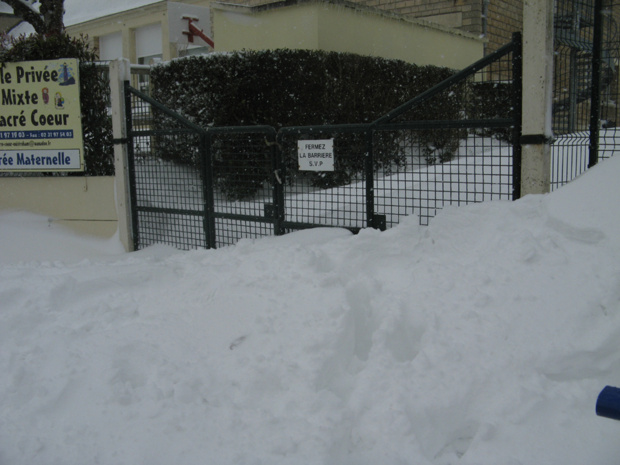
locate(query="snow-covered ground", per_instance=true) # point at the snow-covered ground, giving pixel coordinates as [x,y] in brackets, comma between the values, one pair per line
[483,338]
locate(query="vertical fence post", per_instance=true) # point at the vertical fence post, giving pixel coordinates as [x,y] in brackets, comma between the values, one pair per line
[537,96]
[595,101]
[131,167]
[119,73]
[370,179]
[278,186]
[517,105]
[207,189]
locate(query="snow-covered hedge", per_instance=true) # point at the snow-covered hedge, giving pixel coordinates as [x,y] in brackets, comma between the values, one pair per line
[298,88]
[294,87]
[491,100]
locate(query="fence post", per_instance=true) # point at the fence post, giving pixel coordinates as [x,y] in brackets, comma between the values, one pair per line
[517,105]
[370,179]
[208,221]
[279,171]
[537,133]
[595,100]
[119,73]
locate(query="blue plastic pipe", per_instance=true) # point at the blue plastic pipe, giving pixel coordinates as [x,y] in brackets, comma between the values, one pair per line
[608,403]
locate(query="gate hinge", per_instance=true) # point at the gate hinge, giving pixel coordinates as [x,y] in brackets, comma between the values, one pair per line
[536,139]
[124,140]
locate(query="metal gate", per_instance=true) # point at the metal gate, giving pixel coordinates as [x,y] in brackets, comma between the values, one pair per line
[209,187]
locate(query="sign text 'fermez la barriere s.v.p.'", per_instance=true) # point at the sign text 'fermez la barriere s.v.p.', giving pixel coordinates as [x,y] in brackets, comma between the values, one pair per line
[40,117]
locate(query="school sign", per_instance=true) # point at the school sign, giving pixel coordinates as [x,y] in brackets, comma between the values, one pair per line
[40,117]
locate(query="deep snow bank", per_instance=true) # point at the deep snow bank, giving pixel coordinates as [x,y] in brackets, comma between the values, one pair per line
[483,338]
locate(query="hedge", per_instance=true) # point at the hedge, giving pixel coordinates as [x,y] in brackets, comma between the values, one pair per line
[298,88]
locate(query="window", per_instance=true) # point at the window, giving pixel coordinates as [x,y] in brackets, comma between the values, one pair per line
[111,46]
[149,44]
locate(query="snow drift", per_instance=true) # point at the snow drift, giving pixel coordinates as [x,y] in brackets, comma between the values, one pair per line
[483,338]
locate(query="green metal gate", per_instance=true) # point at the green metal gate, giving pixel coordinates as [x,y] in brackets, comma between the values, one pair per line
[205,187]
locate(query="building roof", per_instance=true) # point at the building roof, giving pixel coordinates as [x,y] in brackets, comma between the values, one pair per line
[79,11]
[4,8]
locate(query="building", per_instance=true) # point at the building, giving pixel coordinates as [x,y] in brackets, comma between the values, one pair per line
[144,31]
[159,30]
[451,33]
[491,20]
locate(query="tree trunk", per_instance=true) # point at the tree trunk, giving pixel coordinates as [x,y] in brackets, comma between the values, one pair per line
[47,21]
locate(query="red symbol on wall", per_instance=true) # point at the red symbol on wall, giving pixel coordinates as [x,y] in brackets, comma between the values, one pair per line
[193,30]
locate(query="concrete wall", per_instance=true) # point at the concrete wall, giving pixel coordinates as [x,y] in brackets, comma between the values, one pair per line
[343,28]
[237,28]
[306,24]
[85,204]
[164,16]
[494,20]
[126,23]
[461,14]
[387,36]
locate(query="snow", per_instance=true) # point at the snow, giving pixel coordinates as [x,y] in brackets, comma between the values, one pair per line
[22,28]
[483,338]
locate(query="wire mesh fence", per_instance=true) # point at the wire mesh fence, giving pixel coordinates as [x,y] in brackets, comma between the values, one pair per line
[211,187]
[314,196]
[585,92]
[242,178]
[480,169]
[195,187]
[473,159]
[166,175]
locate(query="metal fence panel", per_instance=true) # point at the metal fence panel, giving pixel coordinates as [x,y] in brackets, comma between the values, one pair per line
[167,196]
[585,110]
[480,169]
[243,182]
[195,187]
[470,160]
[325,198]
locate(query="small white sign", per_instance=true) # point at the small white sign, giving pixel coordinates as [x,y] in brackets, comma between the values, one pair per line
[316,155]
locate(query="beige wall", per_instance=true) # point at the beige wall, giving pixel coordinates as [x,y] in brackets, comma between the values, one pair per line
[391,37]
[342,28]
[286,27]
[127,23]
[461,14]
[503,17]
[85,204]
